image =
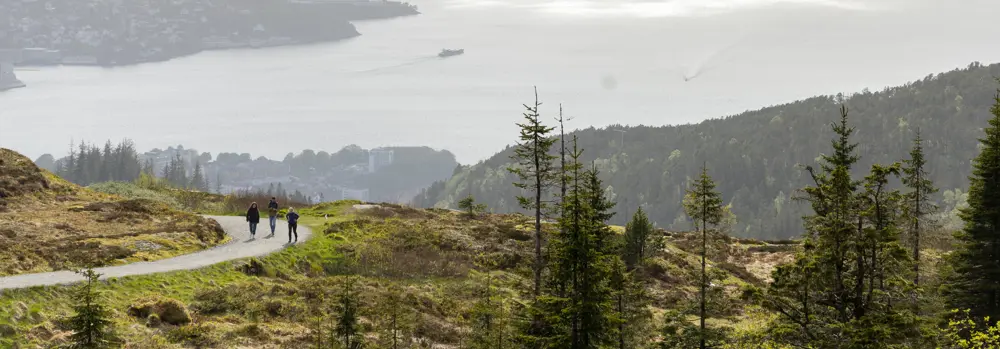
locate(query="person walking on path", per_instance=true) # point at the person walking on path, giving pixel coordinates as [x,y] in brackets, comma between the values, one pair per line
[272,213]
[253,217]
[293,224]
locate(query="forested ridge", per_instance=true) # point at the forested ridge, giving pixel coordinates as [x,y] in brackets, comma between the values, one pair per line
[758,157]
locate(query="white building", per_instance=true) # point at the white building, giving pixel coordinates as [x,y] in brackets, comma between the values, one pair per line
[354,194]
[378,158]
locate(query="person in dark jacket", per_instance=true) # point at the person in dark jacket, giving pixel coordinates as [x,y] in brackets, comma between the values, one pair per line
[293,224]
[272,213]
[253,217]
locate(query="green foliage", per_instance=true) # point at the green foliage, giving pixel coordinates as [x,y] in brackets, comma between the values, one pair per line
[491,319]
[91,325]
[638,240]
[470,206]
[679,333]
[89,164]
[756,156]
[347,330]
[198,181]
[580,308]
[631,303]
[964,332]
[535,174]
[396,323]
[848,287]
[918,202]
[975,283]
[704,205]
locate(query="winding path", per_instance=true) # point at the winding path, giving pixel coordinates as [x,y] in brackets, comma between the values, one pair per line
[240,247]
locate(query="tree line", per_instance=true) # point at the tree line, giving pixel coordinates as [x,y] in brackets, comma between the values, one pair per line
[88,163]
[757,157]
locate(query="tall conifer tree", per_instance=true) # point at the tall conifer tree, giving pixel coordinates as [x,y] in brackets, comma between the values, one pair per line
[704,206]
[535,171]
[975,284]
[918,201]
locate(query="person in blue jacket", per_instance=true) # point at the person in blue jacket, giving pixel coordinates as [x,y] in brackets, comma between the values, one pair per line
[293,224]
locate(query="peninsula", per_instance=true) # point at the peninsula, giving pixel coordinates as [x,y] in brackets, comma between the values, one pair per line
[7,78]
[114,33]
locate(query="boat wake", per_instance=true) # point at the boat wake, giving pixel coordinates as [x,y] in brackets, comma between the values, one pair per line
[397,66]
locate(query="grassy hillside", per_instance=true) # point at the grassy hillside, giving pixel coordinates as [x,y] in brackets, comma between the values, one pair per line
[429,265]
[49,224]
[757,157]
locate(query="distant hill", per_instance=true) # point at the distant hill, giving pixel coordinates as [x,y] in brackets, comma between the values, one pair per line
[756,156]
[318,175]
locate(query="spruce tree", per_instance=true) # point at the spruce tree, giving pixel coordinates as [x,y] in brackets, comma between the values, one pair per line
[218,182]
[628,280]
[348,329]
[147,168]
[198,178]
[975,283]
[489,319]
[395,321]
[704,206]
[563,178]
[535,174]
[106,169]
[847,287]
[638,233]
[918,202]
[92,327]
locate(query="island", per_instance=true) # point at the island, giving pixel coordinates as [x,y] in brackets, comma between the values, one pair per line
[117,33]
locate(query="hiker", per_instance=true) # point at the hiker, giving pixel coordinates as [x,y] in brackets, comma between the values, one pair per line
[293,224]
[272,213]
[253,217]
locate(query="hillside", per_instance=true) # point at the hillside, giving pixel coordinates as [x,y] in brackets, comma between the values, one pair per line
[318,175]
[429,267]
[47,224]
[757,157]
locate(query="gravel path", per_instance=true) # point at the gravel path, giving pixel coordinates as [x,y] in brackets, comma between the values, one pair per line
[240,247]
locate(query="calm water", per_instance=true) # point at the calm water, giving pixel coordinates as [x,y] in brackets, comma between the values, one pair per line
[608,62]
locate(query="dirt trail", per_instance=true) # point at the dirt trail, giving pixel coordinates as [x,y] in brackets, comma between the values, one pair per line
[240,247]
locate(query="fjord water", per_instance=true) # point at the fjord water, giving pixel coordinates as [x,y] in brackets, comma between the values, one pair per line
[608,62]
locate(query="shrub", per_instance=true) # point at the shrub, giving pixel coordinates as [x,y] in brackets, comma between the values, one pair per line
[169,311]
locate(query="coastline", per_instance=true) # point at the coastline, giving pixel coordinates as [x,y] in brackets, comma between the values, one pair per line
[187,53]
[316,22]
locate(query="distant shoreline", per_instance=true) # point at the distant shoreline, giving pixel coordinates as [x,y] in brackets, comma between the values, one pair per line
[316,22]
[170,57]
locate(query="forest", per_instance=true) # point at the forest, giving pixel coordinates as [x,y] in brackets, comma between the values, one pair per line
[758,157]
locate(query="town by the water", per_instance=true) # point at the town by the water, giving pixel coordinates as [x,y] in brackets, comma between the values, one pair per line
[116,33]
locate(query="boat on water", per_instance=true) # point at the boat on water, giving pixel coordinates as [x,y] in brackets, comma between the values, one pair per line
[448,53]
[8,80]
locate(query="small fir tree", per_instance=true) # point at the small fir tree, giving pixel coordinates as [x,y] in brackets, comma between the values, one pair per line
[92,327]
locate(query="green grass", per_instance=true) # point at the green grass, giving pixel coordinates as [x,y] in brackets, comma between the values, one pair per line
[26,308]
